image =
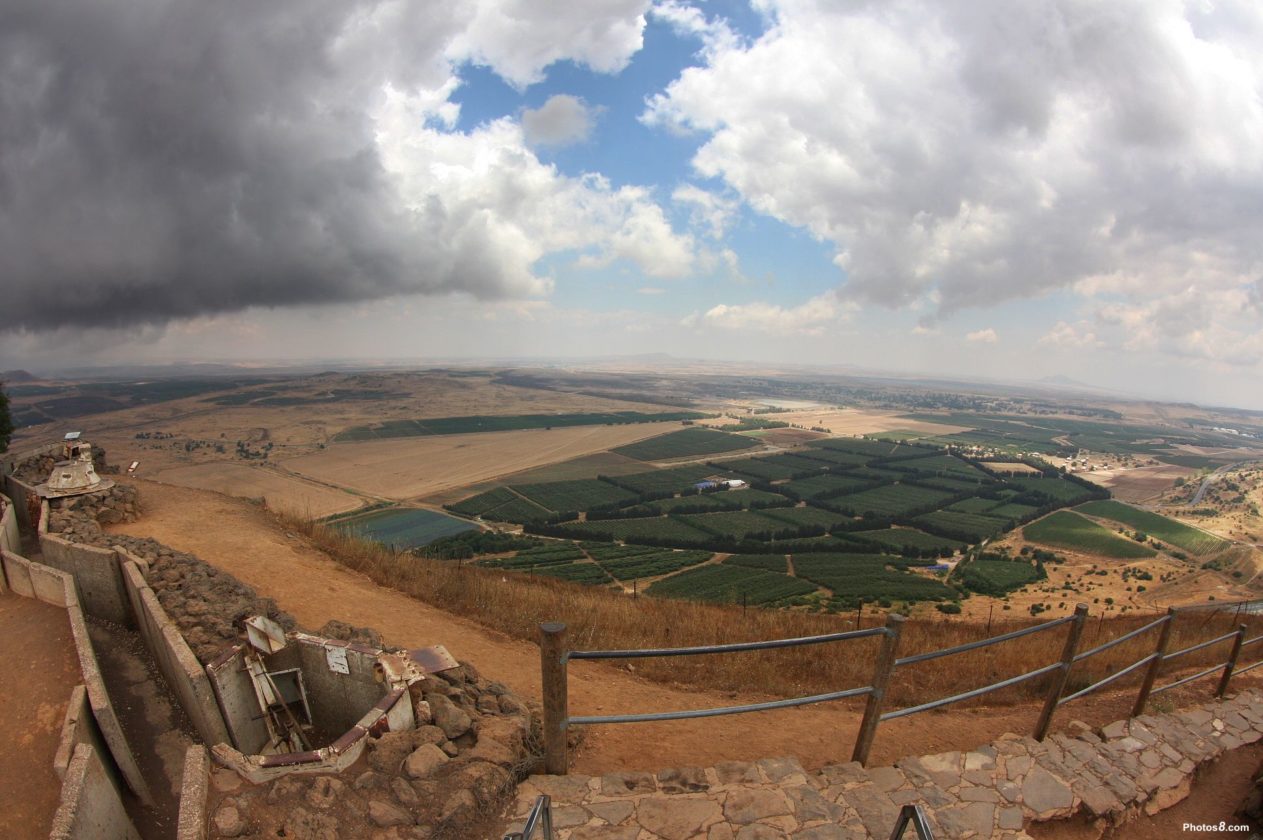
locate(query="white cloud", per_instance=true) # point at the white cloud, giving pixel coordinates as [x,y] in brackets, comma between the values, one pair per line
[707,209]
[985,336]
[809,318]
[651,290]
[982,152]
[560,121]
[1068,335]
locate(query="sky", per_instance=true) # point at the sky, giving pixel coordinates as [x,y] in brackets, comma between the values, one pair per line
[1014,191]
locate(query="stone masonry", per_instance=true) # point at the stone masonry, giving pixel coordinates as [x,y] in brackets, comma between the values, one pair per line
[994,791]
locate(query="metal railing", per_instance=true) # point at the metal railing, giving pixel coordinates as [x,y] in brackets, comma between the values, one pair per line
[540,817]
[555,658]
[912,815]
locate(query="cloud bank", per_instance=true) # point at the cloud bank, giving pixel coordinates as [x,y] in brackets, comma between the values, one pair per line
[960,155]
[179,158]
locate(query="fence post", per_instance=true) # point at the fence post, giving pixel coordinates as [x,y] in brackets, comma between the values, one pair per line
[1151,673]
[1063,675]
[552,656]
[881,676]
[1231,664]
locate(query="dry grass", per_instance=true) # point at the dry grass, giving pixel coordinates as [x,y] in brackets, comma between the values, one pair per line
[600,619]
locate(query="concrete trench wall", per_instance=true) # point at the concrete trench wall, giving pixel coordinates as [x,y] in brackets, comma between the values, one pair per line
[10,539]
[96,572]
[93,750]
[234,691]
[194,787]
[90,808]
[21,495]
[183,673]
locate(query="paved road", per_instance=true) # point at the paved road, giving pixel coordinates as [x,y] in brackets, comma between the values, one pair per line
[1206,482]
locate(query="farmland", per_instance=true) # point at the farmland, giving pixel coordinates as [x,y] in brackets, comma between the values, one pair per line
[1167,530]
[731,584]
[970,527]
[673,480]
[867,577]
[890,500]
[653,564]
[899,539]
[500,423]
[1071,531]
[989,576]
[581,494]
[279,491]
[684,444]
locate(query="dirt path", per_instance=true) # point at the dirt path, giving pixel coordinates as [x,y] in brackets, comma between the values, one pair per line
[243,540]
[38,668]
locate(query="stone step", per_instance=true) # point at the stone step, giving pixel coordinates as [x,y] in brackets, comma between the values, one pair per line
[1146,763]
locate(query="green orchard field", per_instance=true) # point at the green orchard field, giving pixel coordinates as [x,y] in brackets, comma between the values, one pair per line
[1068,530]
[1167,530]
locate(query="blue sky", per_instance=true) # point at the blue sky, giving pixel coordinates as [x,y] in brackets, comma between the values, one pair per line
[988,189]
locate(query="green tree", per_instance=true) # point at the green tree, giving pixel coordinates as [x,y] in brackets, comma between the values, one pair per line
[6,420]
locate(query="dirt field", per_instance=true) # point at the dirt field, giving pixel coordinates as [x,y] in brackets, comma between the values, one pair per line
[414,467]
[38,668]
[852,421]
[1139,484]
[241,539]
[1011,467]
[252,482]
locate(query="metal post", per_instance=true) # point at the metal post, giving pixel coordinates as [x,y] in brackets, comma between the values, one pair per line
[1231,664]
[552,656]
[1060,678]
[1151,673]
[881,677]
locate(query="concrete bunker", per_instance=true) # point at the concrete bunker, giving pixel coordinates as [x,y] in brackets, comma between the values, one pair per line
[75,474]
[294,702]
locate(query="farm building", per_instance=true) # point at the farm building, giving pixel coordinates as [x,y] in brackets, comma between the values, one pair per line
[735,484]
[706,485]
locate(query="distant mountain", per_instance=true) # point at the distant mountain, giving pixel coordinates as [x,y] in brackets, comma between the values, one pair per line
[17,376]
[1065,381]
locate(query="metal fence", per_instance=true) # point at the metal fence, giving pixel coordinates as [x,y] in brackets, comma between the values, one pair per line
[540,817]
[555,658]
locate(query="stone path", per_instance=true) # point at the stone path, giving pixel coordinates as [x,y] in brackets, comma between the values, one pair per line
[994,791]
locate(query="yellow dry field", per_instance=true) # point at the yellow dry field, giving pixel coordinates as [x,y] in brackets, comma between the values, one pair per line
[279,491]
[408,468]
[852,421]
[1010,467]
[1138,484]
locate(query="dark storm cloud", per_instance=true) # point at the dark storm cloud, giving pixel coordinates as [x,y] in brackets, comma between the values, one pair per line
[170,158]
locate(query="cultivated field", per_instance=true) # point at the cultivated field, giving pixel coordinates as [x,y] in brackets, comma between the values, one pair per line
[1138,484]
[1160,527]
[280,492]
[1073,532]
[853,421]
[413,467]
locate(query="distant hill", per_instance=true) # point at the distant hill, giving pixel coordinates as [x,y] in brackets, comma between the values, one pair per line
[17,376]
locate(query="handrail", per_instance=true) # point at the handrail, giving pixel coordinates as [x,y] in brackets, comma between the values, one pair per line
[1212,669]
[729,648]
[1123,638]
[723,710]
[1107,680]
[912,814]
[981,643]
[977,692]
[541,816]
[555,658]
[1199,646]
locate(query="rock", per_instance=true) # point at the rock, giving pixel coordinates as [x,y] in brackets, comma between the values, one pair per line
[676,819]
[453,720]
[385,814]
[422,713]
[370,780]
[450,748]
[325,791]
[423,761]
[510,705]
[978,817]
[621,784]
[500,742]
[225,781]
[759,832]
[427,735]
[736,772]
[387,753]
[746,805]
[405,793]
[485,780]
[683,780]
[824,832]
[302,824]
[488,704]
[458,807]
[228,821]
[612,812]
[1045,794]
[605,832]
[284,788]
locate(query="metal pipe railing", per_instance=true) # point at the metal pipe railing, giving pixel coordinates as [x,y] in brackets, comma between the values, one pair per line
[555,657]
[912,815]
[541,817]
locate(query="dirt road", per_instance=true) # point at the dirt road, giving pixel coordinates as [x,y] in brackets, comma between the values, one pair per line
[241,539]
